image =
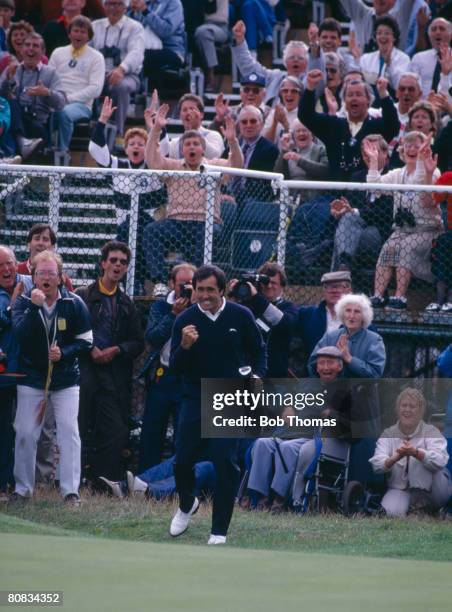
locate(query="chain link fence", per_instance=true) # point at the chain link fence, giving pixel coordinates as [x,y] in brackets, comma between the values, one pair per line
[240,219]
[388,236]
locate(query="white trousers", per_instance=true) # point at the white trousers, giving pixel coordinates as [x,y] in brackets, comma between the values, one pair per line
[65,403]
[396,502]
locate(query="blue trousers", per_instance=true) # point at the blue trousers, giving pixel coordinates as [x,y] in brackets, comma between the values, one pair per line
[163,398]
[221,451]
[162,483]
[259,18]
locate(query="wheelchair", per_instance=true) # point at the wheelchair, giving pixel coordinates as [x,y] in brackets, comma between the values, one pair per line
[321,482]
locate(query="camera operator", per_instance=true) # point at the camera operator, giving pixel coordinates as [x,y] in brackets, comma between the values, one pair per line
[262,293]
[163,395]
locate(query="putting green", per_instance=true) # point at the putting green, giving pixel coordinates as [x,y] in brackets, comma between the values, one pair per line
[100,574]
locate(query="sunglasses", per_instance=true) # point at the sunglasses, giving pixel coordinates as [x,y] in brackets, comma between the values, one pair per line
[253,90]
[123,262]
[248,121]
[332,70]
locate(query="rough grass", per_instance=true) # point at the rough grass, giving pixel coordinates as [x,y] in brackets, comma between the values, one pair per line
[134,519]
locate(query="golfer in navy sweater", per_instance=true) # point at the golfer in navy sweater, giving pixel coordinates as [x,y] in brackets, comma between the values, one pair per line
[212,339]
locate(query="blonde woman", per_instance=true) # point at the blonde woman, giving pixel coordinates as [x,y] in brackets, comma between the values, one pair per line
[413,455]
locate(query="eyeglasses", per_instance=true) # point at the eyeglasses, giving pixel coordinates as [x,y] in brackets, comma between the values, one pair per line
[49,273]
[253,90]
[123,262]
[287,91]
[248,121]
[408,88]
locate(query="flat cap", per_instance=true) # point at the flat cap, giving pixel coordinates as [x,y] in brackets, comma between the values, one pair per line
[333,277]
[329,351]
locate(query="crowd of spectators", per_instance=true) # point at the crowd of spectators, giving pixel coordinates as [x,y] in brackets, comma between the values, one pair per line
[68,359]
[309,119]
[377,110]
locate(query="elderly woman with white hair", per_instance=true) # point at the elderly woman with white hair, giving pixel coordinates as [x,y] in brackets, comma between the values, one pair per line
[302,159]
[413,455]
[363,350]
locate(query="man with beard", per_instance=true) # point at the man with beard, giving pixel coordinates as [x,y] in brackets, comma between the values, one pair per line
[106,374]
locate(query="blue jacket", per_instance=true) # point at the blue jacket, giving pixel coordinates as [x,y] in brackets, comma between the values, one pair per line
[8,343]
[71,330]
[445,362]
[166,19]
[366,347]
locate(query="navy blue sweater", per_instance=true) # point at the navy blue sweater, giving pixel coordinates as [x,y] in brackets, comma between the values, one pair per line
[231,342]
[71,330]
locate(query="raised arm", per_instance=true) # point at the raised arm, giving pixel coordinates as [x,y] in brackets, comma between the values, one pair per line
[153,156]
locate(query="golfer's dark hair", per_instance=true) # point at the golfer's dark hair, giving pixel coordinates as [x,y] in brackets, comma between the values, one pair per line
[204,272]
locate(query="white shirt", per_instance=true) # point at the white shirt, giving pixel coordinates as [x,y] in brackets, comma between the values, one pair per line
[166,348]
[84,81]
[214,316]
[127,35]
[424,63]
[332,323]
[370,66]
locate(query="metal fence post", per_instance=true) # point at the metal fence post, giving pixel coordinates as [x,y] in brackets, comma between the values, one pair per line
[283,222]
[54,200]
[211,183]
[133,231]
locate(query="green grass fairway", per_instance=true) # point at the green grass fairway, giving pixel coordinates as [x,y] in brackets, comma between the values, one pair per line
[98,574]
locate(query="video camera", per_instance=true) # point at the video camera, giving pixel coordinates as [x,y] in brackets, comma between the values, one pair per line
[242,292]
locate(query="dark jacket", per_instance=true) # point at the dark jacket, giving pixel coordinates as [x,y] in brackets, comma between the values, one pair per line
[8,342]
[127,334]
[71,330]
[279,319]
[344,150]
[263,158]
[311,325]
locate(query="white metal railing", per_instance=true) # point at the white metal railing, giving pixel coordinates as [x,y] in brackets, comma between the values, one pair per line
[13,179]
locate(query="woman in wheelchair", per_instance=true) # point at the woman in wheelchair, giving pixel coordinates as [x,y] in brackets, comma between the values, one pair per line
[413,455]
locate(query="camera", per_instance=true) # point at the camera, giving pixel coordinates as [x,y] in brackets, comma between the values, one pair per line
[404,216]
[242,291]
[112,52]
[185,291]
[29,113]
